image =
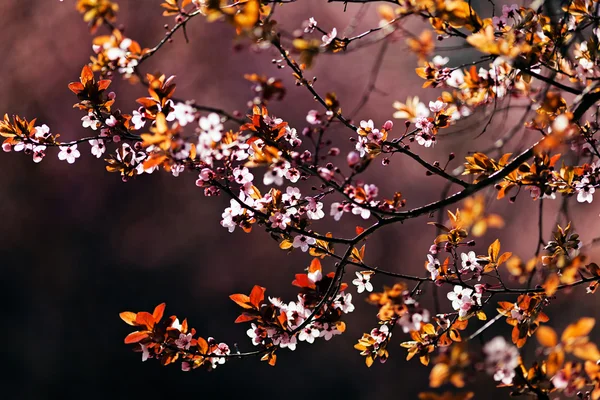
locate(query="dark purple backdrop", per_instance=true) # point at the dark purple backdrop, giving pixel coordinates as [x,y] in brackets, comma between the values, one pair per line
[78,246]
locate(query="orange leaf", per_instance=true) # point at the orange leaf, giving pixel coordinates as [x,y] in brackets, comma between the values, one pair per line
[580,328]
[543,317]
[439,375]
[156,159]
[285,244]
[86,74]
[587,351]
[315,265]
[358,255]
[546,336]
[270,357]
[494,250]
[504,257]
[551,284]
[202,345]
[146,102]
[283,319]
[128,317]
[555,361]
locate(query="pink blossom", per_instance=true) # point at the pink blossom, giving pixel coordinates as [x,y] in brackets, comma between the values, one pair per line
[68,153]
[362,282]
[98,147]
[327,39]
[90,121]
[279,221]
[308,334]
[211,126]
[303,242]
[39,153]
[184,341]
[242,176]
[502,358]
[363,212]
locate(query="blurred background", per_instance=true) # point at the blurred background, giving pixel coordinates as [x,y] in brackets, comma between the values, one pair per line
[78,246]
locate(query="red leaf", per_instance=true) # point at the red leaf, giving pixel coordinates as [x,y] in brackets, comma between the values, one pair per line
[158,312]
[302,281]
[244,318]
[257,296]
[145,319]
[241,300]
[359,230]
[135,337]
[104,84]
[76,87]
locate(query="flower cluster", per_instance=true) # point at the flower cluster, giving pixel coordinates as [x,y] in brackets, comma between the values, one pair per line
[276,324]
[501,359]
[172,341]
[464,300]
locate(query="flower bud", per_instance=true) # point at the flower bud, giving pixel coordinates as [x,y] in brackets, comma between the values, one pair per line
[353,158]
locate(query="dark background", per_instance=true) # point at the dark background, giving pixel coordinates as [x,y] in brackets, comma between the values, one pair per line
[78,246]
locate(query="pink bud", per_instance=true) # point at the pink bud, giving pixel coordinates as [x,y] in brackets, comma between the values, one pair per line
[206,174]
[353,158]
[388,125]
[111,121]
[116,138]
[326,174]
[6,147]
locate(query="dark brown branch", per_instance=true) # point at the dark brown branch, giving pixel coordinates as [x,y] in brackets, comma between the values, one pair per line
[551,81]
[429,167]
[169,34]
[492,179]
